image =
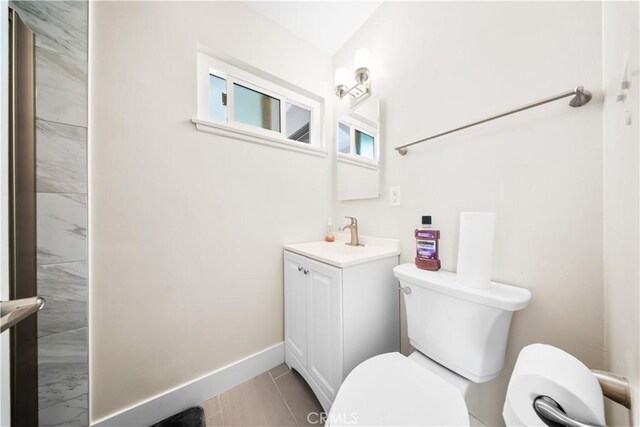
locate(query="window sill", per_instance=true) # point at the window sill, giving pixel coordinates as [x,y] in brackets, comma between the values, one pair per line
[367,164]
[223,130]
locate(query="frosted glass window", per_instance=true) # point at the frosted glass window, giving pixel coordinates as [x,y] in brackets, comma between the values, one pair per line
[217,98]
[298,123]
[364,144]
[255,108]
[344,138]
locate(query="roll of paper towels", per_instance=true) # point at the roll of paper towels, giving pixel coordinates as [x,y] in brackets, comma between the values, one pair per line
[475,248]
[544,370]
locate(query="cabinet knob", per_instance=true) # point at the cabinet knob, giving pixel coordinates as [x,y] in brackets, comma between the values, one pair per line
[306,271]
[299,268]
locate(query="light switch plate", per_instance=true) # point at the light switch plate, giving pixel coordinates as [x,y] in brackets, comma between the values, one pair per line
[395,196]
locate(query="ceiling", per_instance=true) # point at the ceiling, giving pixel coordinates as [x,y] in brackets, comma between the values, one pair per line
[324,24]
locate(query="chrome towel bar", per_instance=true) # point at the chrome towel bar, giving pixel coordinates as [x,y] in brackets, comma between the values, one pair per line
[613,387]
[549,410]
[15,311]
[581,96]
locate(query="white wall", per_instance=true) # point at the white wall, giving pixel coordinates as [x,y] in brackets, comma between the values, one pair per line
[442,64]
[187,227]
[622,280]
[5,367]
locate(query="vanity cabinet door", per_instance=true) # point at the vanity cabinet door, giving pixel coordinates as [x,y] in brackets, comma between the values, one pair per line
[324,329]
[295,303]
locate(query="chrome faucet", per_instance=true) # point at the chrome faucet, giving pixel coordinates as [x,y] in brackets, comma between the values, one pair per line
[353,228]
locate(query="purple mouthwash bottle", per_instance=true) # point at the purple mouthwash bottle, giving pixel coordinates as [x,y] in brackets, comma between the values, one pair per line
[427,246]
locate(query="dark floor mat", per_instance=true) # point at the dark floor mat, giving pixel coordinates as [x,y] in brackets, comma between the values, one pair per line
[192,417]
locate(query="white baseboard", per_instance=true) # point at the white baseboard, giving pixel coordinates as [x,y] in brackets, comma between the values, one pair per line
[194,392]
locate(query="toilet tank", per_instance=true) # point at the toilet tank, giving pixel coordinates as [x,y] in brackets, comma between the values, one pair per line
[462,328]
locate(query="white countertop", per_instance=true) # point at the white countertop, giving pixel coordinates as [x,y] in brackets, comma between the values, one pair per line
[340,255]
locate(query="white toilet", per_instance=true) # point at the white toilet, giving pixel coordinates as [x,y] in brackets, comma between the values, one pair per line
[460,335]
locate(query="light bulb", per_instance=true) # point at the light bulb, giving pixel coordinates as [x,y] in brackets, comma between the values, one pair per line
[362,58]
[341,77]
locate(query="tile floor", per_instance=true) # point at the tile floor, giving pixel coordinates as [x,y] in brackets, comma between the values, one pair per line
[279,397]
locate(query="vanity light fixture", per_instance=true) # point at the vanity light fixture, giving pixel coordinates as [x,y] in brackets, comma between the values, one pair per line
[344,86]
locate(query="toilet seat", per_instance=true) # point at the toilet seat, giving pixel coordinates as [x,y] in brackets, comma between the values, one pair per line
[391,390]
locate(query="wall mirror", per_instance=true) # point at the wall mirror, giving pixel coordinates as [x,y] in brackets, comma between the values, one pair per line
[358,151]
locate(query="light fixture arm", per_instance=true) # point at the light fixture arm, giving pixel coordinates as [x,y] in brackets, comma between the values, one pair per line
[356,91]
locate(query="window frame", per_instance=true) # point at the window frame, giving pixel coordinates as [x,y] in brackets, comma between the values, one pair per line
[311,118]
[231,121]
[235,72]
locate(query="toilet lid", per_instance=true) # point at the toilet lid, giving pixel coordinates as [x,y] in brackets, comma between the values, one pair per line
[392,390]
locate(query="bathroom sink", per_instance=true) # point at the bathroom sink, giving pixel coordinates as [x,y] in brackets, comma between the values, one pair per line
[341,255]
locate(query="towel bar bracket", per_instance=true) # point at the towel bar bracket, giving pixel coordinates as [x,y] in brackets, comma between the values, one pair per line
[14,311]
[614,387]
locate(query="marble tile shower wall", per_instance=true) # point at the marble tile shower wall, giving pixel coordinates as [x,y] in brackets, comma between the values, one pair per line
[61,29]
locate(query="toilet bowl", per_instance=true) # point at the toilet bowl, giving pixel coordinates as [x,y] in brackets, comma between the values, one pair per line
[460,336]
[394,390]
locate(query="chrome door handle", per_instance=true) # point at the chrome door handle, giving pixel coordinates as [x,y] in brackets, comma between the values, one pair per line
[15,311]
[549,410]
[406,290]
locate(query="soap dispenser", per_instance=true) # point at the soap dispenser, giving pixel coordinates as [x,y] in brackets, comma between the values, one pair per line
[329,237]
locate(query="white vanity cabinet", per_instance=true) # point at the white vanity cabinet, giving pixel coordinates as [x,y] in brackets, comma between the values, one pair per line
[337,317]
